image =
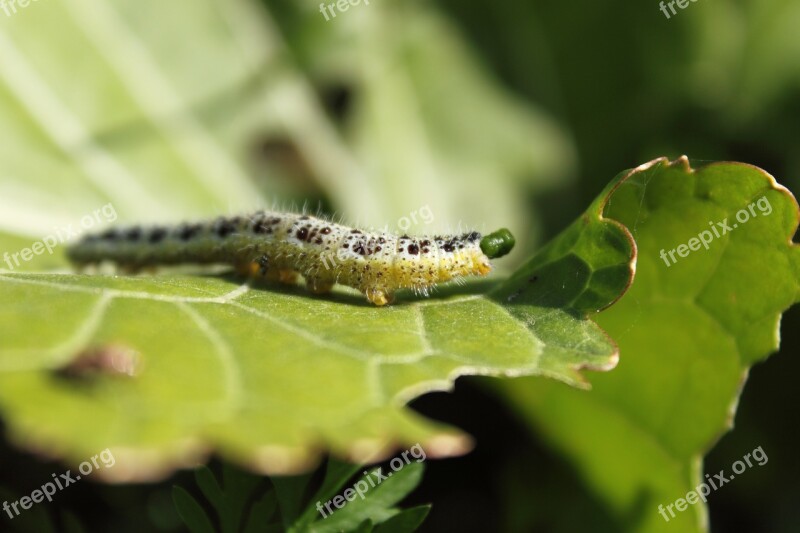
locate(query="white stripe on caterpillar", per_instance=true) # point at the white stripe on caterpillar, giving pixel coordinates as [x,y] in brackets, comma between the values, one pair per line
[282,245]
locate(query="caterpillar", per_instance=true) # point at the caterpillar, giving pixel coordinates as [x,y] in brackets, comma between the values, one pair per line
[282,246]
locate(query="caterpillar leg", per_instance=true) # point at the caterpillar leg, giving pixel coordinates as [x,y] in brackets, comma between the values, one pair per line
[251,269]
[261,267]
[318,286]
[286,276]
[129,269]
[82,267]
[379,297]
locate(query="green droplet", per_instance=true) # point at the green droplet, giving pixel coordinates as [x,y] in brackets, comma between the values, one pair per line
[498,244]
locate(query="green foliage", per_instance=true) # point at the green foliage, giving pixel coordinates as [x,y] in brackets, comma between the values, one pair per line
[246,503]
[186,109]
[218,358]
[329,369]
[688,334]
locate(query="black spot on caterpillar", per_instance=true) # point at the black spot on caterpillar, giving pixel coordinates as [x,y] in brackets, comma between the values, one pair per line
[282,245]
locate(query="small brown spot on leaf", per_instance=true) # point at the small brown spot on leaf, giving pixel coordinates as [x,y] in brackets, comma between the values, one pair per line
[109,360]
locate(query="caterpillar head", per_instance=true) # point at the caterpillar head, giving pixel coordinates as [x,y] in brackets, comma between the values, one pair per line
[498,244]
[492,246]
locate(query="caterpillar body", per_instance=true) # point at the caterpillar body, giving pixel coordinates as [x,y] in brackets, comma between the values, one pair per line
[281,246]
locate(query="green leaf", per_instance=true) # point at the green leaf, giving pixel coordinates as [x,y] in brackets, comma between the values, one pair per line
[268,377]
[377,501]
[238,491]
[688,333]
[261,515]
[337,473]
[364,527]
[296,510]
[191,512]
[208,484]
[405,521]
[331,370]
[290,493]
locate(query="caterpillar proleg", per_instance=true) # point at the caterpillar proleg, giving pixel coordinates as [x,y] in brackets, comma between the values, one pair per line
[282,246]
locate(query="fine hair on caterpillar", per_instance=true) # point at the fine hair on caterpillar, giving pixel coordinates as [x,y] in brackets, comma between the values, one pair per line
[282,246]
[405,222]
